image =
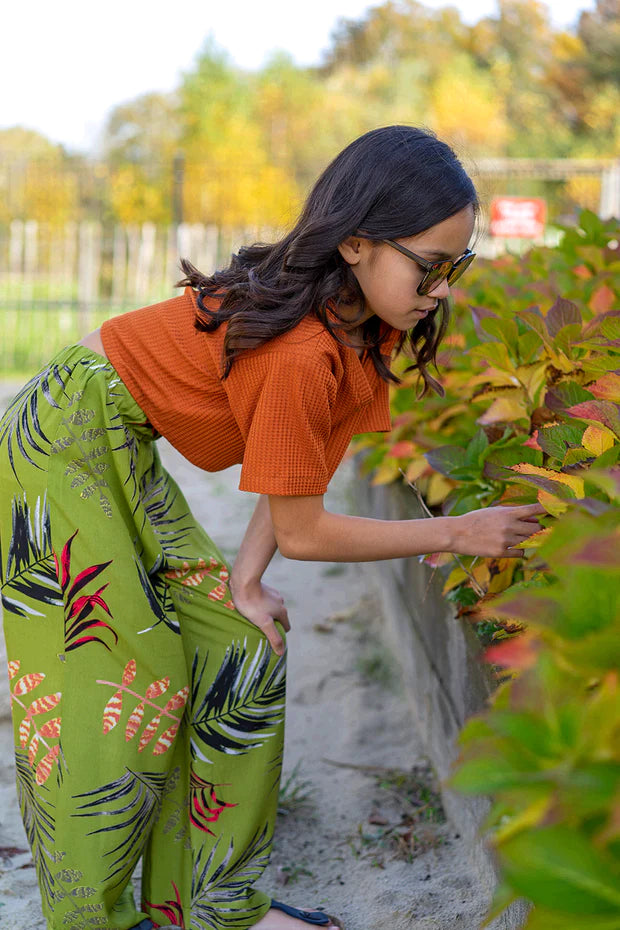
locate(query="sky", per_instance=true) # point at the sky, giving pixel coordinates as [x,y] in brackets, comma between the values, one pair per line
[65,64]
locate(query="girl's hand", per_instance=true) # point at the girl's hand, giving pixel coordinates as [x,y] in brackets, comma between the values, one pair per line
[495,531]
[262,605]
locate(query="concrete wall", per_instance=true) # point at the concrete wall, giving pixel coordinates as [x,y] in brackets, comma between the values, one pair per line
[444,680]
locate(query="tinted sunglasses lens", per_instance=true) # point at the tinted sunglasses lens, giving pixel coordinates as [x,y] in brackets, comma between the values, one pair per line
[432,278]
[460,267]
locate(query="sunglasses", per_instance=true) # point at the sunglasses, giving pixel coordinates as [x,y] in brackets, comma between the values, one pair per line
[436,271]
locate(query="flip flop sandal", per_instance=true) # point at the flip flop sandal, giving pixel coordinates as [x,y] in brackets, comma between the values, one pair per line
[317,918]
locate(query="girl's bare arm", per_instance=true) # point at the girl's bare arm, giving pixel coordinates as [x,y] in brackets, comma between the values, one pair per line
[258,602]
[305,530]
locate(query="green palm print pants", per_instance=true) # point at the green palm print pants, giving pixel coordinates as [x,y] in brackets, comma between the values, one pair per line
[148,713]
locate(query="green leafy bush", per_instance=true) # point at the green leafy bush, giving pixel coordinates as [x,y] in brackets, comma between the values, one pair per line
[532,412]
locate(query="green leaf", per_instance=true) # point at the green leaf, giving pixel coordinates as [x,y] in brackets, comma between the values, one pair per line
[543,919]
[555,440]
[528,729]
[494,353]
[563,313]
[566,394]
[476,448]
[556,867]
[446,458]
[488,775]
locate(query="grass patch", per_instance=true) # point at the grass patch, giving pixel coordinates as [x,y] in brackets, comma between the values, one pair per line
[295,792]
[405,818]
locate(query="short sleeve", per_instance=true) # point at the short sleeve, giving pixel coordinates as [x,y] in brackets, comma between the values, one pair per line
[283,404]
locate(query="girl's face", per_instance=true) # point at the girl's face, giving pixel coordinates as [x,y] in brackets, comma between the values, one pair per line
[389,279]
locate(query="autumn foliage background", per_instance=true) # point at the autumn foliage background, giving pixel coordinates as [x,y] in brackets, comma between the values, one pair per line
[251,143]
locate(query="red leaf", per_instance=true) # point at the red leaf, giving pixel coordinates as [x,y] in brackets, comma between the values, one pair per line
[532,442]
[51,728]
[135,719]
[157,687]
[89,600]
[65,559]
[517,652]
[402,449]
[85,576]
[130,672]
[165,741]
[112,711]
[178,700]
[44,768]
[28,683]
[602,299]
[601,411]
[149,732]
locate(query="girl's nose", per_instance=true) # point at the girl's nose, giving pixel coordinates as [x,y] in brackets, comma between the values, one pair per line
[440,290]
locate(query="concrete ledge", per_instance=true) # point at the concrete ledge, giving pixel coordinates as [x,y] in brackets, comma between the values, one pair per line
[445,682]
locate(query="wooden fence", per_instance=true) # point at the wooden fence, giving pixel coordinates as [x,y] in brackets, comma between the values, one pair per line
[58,283]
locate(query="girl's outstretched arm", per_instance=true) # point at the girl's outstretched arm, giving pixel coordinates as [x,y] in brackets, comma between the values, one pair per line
[258,602]
[305,530]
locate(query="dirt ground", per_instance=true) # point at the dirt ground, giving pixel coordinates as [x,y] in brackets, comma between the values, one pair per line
[360,832]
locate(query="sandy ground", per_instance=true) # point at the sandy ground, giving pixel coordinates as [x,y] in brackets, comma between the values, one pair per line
[344,705]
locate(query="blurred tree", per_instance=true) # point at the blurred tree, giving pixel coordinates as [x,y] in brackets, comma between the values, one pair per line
[139,143]
[230,177]
[599,30]
[36,178]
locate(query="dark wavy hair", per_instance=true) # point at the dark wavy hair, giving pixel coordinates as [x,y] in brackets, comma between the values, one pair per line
[391,183]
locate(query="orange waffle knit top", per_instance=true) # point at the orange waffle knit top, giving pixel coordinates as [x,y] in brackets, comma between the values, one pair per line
[287,410]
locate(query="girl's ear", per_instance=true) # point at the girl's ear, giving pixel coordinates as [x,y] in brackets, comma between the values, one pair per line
[351,250]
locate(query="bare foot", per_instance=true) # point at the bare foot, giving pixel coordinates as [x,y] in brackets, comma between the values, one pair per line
[277,920]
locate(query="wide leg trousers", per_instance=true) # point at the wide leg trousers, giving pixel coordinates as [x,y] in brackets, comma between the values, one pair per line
[148,713]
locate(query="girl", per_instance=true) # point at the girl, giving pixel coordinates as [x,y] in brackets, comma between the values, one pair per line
[147,680]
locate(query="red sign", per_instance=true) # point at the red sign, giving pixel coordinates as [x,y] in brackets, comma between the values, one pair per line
[518,217]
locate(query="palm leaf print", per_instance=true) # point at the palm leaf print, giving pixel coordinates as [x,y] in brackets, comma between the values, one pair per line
[204,805]
[159,499]
[159,598]
[30,569]
[38,817]
[127,805]
[170,909]
[20,424]
[114,707]
[244,701]
[78,610]
[213,894]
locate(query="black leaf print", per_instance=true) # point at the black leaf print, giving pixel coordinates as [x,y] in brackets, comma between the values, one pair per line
[20,424]
[228,885]
[30,570]
[242,705]
[38,818]
[128,804]
[160,601]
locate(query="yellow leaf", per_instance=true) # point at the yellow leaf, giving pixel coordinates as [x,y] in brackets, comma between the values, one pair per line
[598,439]
[552,504]
[532,377]
[531,816]
[385,473]
[503,578]
[571,481]
[438,489]
[504,410]
[455,577]
[416,468]
[540,537]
